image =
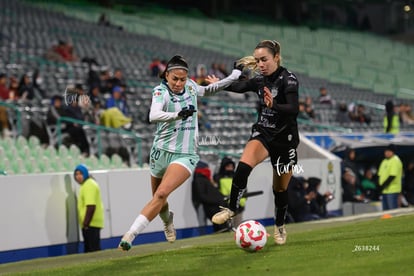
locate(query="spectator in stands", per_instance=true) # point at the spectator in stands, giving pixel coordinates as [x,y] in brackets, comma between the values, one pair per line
[154,67]
[117,79]
[4,96]
[62,52]
[299,200]
[56,110]
[349,162]
[173,156]
[350,191]
[83,98]
[95,94]
[25,89]
[342,116]
[369,185]
[224,180]
[408,183]
[4,90]
[13,88]
[105,83]
[318,204]
[116,110]
[406,115]
[37,81]
[302,111]
[350,177]
[309,107]
[75,130]
[206,195]
[325,97]
[223,69]
[390,178]
[391,120]
[104,21]
[201,74]
[359,115]
[162,65]
[215,71]
[117,100]
[90,208]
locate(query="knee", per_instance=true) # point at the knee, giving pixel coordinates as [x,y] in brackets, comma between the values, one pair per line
[160,195]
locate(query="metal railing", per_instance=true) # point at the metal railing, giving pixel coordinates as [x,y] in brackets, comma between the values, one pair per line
[99,129]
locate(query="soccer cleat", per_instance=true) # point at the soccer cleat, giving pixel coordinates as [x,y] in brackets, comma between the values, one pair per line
[126,241]
[224,215]
[280,235]
[169,230]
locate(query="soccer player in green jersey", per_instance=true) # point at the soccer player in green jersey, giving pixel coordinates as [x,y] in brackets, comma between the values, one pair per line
[173,155]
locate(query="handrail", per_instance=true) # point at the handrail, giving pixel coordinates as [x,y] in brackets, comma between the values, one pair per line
[100,128]
[371,105]
[220,153]
[326,127]
[18,114]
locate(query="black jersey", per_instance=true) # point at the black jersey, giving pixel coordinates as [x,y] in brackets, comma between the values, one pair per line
[279,122]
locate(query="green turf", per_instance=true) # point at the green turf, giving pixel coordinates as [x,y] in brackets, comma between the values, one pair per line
[372,247]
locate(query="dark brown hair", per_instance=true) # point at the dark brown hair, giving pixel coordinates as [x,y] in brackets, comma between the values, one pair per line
[273,46]
[176,62]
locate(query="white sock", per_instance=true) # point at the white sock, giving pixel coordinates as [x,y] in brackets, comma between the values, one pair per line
[139,224]
[165,216]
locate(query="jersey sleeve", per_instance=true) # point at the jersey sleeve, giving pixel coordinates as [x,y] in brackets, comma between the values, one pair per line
[157,113]
[291,87]
[213,88]
[242,86]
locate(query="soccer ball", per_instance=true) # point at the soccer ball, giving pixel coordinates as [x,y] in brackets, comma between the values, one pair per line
[250,236]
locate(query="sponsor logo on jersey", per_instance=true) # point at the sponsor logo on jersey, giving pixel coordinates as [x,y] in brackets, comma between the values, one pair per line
[157,93]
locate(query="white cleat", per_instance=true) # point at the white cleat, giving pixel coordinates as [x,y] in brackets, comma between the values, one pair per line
[169,230]
[280,235]
[224,215]
[126,241]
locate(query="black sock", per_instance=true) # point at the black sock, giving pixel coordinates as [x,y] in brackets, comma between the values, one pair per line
[281,206]
[239,185]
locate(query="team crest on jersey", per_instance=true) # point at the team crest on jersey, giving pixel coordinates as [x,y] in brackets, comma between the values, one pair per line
[157,93]
[191,90]
[274,91]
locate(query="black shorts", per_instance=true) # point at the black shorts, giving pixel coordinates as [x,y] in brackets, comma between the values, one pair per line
[282,156]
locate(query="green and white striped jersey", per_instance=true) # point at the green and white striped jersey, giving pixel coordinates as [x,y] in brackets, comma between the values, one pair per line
[174,134]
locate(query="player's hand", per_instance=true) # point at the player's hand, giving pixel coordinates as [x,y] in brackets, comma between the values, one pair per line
[211,79]
[268,99]
[185,113]
[238,66]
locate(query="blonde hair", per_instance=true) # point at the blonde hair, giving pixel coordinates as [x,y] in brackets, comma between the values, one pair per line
[248,62]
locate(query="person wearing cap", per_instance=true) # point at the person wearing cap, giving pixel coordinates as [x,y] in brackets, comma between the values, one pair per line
[90,209]
[116,111]
[390,178]
[173,156]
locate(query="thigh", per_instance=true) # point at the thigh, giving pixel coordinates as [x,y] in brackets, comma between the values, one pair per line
[174,176]
[254,153]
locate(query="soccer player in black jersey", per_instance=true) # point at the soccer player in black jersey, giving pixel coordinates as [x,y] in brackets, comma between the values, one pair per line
[275,133]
